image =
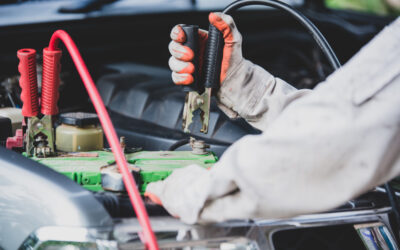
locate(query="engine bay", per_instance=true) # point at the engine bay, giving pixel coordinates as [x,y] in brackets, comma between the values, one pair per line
[129,69]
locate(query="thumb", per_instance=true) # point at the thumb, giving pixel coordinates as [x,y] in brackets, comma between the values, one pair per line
[153,197]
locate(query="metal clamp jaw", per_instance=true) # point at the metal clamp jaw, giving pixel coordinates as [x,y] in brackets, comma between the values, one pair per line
[193,102]
[40,137]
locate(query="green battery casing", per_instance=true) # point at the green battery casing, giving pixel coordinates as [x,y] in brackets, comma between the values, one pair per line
[154,165]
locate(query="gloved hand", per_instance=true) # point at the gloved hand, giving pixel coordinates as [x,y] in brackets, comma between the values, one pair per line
[243,84]
[186,190]
[182,56]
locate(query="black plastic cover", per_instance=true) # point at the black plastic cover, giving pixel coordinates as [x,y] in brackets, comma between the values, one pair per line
[79,119]
[146,107]
[5,129]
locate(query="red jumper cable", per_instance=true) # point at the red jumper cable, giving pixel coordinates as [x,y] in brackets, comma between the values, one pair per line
[111,135]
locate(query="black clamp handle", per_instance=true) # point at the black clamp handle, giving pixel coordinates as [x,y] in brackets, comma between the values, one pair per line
[192,41]
[213,58]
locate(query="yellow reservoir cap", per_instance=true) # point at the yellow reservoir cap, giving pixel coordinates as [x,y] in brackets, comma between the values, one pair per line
[71,138]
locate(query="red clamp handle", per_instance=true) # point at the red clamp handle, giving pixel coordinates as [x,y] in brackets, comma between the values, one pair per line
[50,81]
[28,82]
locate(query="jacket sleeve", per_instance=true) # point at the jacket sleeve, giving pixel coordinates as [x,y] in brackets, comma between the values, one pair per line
[256,95]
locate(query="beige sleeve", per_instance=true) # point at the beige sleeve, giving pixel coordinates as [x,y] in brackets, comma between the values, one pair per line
[254,94]
[328,147]
[331,145]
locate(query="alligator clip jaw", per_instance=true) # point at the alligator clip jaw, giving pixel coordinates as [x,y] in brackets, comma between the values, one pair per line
[40,136]
[193,102]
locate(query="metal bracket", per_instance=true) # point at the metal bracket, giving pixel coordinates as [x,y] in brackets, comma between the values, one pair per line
[40,137]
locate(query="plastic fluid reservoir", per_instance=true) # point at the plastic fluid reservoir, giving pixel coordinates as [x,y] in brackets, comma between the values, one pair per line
[79,132]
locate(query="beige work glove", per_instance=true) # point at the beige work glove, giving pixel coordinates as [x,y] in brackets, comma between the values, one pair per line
[243,84]
[185,192]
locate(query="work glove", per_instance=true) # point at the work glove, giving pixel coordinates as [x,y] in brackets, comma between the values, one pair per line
[243,84]
[182,56]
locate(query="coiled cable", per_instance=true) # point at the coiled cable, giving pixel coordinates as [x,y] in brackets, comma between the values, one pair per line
[315,33]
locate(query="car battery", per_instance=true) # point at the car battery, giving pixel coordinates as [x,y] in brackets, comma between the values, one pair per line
[87,168]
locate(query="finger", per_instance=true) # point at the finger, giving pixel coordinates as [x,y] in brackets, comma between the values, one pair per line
[182,79]
[180,51]
[182,193]
[155,194]
[227,26]
[179,66]
[177,34]
[234,206]
[154,198]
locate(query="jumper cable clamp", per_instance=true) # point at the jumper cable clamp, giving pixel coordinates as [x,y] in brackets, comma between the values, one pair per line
[39,136]
[199,93]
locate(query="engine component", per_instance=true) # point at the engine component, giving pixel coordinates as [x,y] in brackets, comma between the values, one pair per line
[199,147]
[85,168]
[118,205]
[17,141]
[5,130]
[111,178]
[79,132]
[14,114]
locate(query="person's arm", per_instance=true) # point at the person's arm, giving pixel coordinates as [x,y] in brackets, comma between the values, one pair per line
[254,94]
[330,146]
[247,90]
